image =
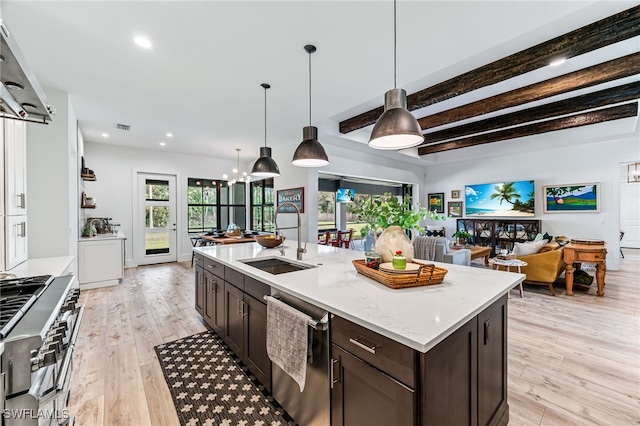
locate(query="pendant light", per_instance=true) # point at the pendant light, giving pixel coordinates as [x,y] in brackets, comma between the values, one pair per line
[236,176]
[396,128]
[310,152]
[265,166]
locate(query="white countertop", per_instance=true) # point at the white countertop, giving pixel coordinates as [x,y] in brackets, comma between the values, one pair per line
[44,266]
[117,236]
[419,317]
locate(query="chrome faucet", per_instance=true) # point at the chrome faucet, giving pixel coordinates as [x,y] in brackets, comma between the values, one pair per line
[275,221]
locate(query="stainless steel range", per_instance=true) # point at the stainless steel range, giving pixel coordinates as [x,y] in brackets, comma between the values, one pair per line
[39,324]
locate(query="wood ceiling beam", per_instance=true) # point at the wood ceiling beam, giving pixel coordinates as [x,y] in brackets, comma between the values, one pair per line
[597,99]
[613,29]
[607,71]
[577,120]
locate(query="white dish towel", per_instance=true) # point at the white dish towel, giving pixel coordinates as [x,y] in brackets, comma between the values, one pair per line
[287,339]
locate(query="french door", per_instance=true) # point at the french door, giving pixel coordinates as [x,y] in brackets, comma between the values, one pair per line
[156,219]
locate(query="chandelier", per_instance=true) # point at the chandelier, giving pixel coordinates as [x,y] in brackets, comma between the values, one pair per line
[236,176]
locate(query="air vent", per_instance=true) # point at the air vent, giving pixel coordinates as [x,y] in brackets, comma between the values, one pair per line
[125,127]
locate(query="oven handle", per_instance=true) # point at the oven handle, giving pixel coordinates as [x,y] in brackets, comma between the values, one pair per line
[68,356]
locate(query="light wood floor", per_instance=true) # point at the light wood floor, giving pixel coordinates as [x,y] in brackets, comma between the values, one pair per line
[572,360]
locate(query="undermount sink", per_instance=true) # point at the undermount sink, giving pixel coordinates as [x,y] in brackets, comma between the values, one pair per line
[276,266]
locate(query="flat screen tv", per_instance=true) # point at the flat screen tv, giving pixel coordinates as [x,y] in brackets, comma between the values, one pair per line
[345,195]
[501,199]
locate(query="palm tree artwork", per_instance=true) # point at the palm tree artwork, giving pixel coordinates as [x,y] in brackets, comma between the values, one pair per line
[514,198]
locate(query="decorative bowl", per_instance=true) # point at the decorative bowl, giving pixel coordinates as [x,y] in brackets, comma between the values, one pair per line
[269,241]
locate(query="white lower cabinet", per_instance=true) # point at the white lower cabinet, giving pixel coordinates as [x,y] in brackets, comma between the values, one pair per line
[100,262]
[15,245]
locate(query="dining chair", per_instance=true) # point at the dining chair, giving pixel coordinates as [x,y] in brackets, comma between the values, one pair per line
[324,239]
[196,241]
[346,243]
[337,241]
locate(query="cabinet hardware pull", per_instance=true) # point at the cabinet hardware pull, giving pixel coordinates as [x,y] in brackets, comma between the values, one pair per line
[242,303]
[210,266]
[369,349]
[486,331]
[23,229]
[22,203]
[333,365]
[238,307]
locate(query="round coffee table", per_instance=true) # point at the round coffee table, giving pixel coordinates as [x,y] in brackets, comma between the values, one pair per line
[496,263]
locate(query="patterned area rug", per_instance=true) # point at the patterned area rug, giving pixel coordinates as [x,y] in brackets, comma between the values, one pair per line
[210,386]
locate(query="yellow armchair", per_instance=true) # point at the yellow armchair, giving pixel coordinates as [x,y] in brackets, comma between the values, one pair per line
[543,267]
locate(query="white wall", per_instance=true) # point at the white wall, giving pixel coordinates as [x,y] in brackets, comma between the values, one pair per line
[52,182]
[566,163]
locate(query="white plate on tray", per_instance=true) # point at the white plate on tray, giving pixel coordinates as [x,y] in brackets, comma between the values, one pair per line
[412,268]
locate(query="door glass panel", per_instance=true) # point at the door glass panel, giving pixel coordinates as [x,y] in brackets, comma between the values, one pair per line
[156,190]
[157,217]
[157,242]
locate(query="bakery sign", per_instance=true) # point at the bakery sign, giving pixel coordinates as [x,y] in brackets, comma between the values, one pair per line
[293,195]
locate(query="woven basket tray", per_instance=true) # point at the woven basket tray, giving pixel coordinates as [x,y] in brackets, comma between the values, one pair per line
[428,275]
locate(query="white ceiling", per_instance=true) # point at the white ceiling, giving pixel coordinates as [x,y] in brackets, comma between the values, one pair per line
[201,79]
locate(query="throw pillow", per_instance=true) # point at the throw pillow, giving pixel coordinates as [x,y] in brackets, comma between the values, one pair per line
[551,245]
[547,237]
[538,237]
[529,247]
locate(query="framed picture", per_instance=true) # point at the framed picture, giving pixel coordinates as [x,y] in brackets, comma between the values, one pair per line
[455,194]
[500,199]
[436,202]
[574,198]
[454,208]
[293,195]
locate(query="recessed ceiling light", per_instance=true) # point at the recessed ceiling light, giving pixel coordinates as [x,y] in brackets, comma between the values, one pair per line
[169,135]
[105,135]
[162,144]
[142,42]
[557,62]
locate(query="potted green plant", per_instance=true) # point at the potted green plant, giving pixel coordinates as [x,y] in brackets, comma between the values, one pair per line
[393,216]
[462,236]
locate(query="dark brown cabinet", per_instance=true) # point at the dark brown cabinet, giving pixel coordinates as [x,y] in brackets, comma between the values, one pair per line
[213,304]
[234,319]
[363,395]
[199,275]
[460,381]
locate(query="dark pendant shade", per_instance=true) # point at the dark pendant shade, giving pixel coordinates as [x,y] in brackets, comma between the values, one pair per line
[396,128]
[310,152]
[265,166]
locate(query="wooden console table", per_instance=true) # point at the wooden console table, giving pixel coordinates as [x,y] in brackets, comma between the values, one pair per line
[589,253]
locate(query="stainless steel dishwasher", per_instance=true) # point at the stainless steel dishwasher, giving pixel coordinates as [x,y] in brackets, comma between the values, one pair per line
[311,407]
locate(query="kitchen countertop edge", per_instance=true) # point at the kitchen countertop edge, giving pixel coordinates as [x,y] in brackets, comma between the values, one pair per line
[418,317]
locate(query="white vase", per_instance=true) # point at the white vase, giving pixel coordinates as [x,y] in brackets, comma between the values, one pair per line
[391,240]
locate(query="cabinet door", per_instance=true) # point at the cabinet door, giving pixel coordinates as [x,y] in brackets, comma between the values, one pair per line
[255,350]
[16,240]
[208,305]
[492,363]
[234,321]
[363,395]
[100,261]
[216,302]
[449,379]
[15,167]
[199,305]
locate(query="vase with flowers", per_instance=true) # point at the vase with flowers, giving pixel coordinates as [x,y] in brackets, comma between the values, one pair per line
[396,218]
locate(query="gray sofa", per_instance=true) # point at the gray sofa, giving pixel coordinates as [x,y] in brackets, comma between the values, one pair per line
[424,248]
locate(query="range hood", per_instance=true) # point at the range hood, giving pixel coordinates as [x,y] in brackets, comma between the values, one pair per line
[21,96]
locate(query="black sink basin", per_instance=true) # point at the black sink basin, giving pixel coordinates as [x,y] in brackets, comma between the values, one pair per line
[276,266]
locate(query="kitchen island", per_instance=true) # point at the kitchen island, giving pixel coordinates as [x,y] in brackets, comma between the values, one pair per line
[439,367]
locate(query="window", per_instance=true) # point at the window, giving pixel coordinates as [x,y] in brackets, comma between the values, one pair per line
[262,205]
[326,210]
[211,204]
